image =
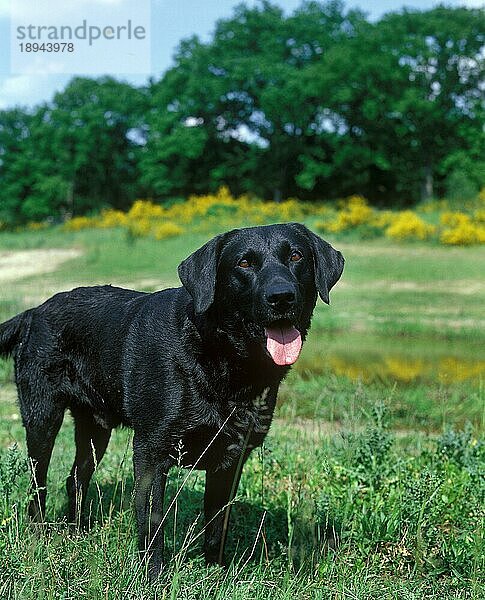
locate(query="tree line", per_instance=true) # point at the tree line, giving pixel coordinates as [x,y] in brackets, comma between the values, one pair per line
[318,104]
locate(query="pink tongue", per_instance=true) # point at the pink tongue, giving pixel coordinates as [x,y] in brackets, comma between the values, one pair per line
[284,344]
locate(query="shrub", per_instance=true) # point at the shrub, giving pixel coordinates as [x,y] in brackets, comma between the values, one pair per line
[352,215]
[13,464]
[138,228]
[78,223]
[112,218]
[460,186]
[407,225]
[461,230]
[354,212]
[144,210]
[420,512]
[480,215]
[166,230]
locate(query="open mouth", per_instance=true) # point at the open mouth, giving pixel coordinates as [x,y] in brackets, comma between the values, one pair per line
[283,342]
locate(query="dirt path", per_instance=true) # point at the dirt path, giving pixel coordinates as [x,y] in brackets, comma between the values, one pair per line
[17,264]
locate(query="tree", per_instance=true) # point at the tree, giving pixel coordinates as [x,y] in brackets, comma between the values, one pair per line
[241,97]
[97,127]
[77,153]
[23,165]
[407,91]
[317,104]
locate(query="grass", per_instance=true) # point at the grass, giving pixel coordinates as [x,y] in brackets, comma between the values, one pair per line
[371,513]
[370,484]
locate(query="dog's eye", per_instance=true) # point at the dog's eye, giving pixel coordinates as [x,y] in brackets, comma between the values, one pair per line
[244,263]
[296,256]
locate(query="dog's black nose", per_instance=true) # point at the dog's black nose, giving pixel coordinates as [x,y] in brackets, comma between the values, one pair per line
[280,296]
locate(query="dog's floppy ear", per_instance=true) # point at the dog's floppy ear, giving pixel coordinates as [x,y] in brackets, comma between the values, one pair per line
[328,264]
[198,273]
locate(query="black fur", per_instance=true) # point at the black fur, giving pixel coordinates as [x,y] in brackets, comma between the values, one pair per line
[185,368]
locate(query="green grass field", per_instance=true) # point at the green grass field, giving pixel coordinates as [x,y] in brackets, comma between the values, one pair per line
[371,482]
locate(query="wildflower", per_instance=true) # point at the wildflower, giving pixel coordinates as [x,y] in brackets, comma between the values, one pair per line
[408,225]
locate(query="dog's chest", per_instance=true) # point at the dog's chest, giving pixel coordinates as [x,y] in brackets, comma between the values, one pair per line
[242,426]
[250,420]
[247,426]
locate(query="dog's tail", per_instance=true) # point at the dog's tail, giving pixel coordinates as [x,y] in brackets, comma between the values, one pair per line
[10,333]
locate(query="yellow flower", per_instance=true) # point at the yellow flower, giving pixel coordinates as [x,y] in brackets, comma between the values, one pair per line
[462,231]
[145,209]
[166,230]
[112,218]
[403,370]
[407,225]
[36,226]
[78,223]
[139,228]
[354,211]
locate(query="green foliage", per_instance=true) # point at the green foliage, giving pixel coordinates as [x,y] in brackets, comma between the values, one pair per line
[420,513]
[13,465]
[73,154]
[317,104]
[47,198]
[459,186]
[372,513]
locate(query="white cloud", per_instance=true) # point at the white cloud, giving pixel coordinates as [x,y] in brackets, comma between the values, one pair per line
[55,9]
[14,87]
[28,90]
[4,8]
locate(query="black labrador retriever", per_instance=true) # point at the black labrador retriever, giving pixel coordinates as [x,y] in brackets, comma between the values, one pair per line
[193,370]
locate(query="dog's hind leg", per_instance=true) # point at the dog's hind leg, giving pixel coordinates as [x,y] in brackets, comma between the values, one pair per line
[91,443]
[41,431]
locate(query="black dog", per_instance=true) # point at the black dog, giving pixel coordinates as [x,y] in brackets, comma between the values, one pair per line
[196,367]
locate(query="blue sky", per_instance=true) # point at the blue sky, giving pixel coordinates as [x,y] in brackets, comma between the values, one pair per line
[172,20]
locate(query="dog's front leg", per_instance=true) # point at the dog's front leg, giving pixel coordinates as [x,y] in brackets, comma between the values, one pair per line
[150,480]
[220,489]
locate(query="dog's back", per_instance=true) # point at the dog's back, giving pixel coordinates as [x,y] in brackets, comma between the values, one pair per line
[70,348]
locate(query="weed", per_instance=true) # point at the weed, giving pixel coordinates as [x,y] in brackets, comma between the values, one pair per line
[420,513]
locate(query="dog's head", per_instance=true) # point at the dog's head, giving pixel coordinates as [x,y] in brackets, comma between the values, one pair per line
[263,281]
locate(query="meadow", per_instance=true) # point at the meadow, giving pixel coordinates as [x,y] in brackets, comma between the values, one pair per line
[371,482]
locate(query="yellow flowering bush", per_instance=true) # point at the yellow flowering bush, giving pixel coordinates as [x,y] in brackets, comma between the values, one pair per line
[35,226]
[353,212]
[78,223]
[139,228]
[226,208]
[143,219]
[403,369]
[479,215]
[407,225]
[453,369]
[144,210]
[166,230]
[460,230]
[454,218]
[354,215]
[433,206]
[383,218]
[112,218]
